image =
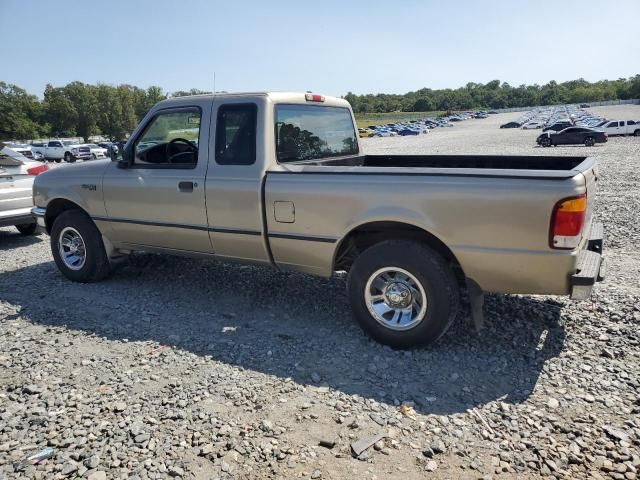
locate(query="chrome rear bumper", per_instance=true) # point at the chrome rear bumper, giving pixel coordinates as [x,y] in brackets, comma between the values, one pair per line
[590,265]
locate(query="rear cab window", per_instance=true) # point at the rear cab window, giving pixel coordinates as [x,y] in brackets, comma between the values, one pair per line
[236,134]
[309,132]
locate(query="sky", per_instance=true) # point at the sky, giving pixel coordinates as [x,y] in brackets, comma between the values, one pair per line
[326,46]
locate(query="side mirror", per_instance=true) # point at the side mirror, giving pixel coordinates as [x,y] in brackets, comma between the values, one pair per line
[125,159]
[113,153]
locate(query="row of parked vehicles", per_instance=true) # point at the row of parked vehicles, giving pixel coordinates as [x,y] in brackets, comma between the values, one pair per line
[572,125]
[416,127]
[59,150]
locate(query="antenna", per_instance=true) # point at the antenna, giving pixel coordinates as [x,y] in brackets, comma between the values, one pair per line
[214,82]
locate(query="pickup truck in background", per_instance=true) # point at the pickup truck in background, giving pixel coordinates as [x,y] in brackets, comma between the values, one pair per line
[58,150]
[280,179]
[621,127]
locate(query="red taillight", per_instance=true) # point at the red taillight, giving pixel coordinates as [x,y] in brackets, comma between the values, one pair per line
[310,97]
[567,220]
[37,170]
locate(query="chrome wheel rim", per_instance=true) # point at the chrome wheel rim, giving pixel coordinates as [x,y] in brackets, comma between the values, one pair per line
[72,249]
[395,298]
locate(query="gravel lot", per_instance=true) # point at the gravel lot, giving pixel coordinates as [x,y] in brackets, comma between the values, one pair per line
[193,369]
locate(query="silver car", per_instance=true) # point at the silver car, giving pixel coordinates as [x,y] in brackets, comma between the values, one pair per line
[17,173]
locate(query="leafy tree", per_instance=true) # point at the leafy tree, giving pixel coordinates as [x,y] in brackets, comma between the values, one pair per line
[83,98]
[60,112]
[20,114]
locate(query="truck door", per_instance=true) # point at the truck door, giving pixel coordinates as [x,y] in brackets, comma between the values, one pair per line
[613,129]
[159,200]
[54,149]
[234,180]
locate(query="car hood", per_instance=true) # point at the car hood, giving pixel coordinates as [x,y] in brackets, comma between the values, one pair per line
[86,170]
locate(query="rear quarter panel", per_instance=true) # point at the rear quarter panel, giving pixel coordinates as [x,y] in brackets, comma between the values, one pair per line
[498,228]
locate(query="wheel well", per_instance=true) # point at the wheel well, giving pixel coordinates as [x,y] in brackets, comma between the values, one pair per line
[364,236]
[55,208]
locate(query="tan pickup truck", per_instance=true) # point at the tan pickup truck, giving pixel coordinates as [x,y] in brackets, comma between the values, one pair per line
[280,179]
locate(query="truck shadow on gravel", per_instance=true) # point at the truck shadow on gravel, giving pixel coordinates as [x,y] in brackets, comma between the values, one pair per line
[10,238]
[296,326]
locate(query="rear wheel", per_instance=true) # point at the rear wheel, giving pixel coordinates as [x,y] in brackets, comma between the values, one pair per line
[636,133]
[27,228]
[589,142]
[77,247]
[58,160]
[403,294]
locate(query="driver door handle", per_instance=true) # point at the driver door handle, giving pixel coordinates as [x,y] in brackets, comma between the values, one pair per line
[185,187]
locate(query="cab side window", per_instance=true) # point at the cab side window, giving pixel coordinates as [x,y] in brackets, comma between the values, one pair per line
[613,124]
[236,134]
[170,140]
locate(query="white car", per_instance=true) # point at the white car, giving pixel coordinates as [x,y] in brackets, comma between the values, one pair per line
[17,173]
[532,125]
[97,151]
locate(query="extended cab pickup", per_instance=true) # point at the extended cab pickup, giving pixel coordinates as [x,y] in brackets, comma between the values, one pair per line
[280,179]
[621,127]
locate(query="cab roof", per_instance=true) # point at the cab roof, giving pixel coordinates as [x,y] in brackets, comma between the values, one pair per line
[275,97]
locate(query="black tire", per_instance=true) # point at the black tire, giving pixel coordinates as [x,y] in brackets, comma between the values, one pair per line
[589,142]
[545,142]
[93,156]
[27,229]
[69,158]
[636,133]
[96,264]
[58,160]
[428,268]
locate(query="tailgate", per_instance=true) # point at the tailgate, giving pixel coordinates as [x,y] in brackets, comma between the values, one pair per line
[589,170]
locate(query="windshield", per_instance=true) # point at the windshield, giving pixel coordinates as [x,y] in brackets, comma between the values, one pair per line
[305,132]
[67,143]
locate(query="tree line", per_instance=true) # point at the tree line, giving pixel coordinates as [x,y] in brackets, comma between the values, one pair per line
[76,110]
[80,109]
[496,94]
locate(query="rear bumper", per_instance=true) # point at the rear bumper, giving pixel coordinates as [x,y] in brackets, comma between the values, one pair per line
[589,266]
[19,216]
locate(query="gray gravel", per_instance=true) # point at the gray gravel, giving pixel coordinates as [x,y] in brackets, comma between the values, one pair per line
[179,368]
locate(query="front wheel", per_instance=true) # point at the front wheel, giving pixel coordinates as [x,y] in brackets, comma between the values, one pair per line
[403,294]
[27,229]
[58,160]
[589,142]
[77,248]
[69,158]
[94,156]
[546,142]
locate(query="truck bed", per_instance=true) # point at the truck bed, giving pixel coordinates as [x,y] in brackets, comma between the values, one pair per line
[502,162]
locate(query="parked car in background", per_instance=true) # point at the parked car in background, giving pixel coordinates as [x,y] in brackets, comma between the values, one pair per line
[621,127]
[556,127]
[365,133]
[58,150]
[510,125]
[572,136]
[16,183]
[403,132]
[97,151]
[532,125]
[25,150]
